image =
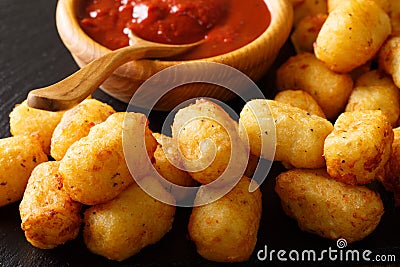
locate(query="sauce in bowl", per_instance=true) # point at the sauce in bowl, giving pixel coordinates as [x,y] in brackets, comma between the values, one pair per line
[224,24]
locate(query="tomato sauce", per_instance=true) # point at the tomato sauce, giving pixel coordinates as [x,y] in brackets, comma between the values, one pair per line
[224,24]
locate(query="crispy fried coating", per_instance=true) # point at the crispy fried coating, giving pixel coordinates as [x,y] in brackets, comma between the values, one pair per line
[226,230]
[303,8]
[329,208]
[389,58]
[300,136]
[384,4]
[394,14]
[391,179]
[206,137]
[300,99]
[352,34]
[122,227]
[359,146]
[19,155]
[76,123]
[37,123]
[377,97]
[166,169]
[94,168]
[375,78]
[306,32]
[49,216]
[304,71]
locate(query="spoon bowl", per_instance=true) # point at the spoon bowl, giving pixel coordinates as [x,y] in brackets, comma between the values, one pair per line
[72,90]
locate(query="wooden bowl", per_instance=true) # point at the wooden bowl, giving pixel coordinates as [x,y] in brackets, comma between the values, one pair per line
[253,59]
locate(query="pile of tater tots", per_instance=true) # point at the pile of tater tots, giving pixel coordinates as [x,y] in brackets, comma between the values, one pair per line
[335,115]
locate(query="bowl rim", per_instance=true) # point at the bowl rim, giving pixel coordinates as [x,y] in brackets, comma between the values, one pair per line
[280,10]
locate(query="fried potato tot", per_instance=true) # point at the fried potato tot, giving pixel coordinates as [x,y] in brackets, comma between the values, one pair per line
[207,137]
[394,14]
[166,169]
[304,71]
[352,34]
[306,31]
[384,98]
[306,8]
[359,146]
[122,227]
[300,99]
[19,155]
[226,230]
[299,135]
[328,208]
[384,4]
[49,216]
[94,167]
[391,179]
[373,78]
[76,123]
[37,123]
[389,58]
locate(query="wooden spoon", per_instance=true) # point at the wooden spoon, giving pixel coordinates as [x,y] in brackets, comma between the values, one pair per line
[72,90]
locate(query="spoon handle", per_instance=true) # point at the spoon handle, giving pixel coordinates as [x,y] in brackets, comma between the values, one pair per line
[79,85]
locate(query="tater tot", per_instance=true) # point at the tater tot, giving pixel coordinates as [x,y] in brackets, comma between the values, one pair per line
[299,135]
[306,31]
[167,170]
[359,147]
[389,58]
[304,71]
[384,4]
[94,167]
[305,8]
[328,208]
[394,14]
[19,155]
[391,179]
[300,99]
[375,77]
[122,227]
[76,123]
[49,216]
[226,230]
[207,136]
[352,34]
[37,123]
[384,98]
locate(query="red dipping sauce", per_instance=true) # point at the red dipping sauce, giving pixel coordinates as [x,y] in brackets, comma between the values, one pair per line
[224,24]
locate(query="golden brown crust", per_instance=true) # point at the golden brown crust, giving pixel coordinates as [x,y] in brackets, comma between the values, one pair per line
[299,135]
[352,34]
[76,123]
[19,155]
[41,123]
[49,216]
[207,137]
[391,179]
[226,230]
[359,147]
[122,227]
[326,207]
[94,167]
[300,99]
[388,58]
[304,71]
